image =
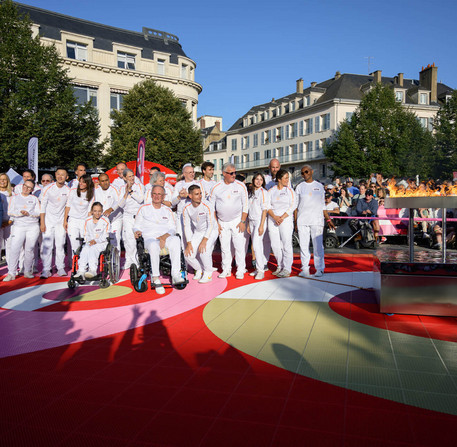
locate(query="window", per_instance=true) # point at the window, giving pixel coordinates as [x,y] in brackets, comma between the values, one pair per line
[267,154]
[270,136]
[309,126]
[255,140]
[292,106]
[293,129]
[125,60]
[287,132]
[184,71]
[399,96]
[256,156]
[76,51]
[317,145]
[317,124]
[161,66]
[267,115]
[349,116]
[423,98]
[262,137]
[234,144]
[246,143]
[301,128]
[323,170]
[307,101]
[310,146]
[221,163]
[300,148]
[236,160]
[424,122]
[85,94]
[326,121]
[116,100]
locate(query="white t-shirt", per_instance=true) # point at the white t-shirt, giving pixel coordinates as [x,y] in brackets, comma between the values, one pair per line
[18,203]
[258,202]
[311,203]
[282,200]
[198,219]
[79,206]
[230,200]
[153,222]
[206,187]
[98,231]
[109,198]
[54,200]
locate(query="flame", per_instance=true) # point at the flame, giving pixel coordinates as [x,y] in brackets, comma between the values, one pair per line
[423,190]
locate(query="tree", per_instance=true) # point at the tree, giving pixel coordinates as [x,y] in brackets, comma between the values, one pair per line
[446,138]
[154,112]
[37,100]
[381,137]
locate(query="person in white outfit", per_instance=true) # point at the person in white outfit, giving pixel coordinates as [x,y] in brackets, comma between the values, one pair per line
[258,207]
[80,170]
[158,178]
[53,201]
[96,233]
[206,182]
[181,196]
[6,190]
[131,199]
[201,233]
[28,174]
[230,200]
[46,180]
[108,196]
[24,210]
[283,203]
[77,209]
[157,224]
[270,179]
[310,214]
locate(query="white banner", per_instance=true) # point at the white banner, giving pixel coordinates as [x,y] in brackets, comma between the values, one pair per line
[33,155]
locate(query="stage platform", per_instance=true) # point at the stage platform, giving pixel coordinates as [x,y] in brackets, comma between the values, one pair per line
[278,362]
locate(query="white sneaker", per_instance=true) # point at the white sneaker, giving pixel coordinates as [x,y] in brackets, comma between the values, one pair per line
[277,271]
[90,274]
[214,269]
[79,275]
[283,274]
[253,273]
[305,273]
[29,275]
[198,275]
[160,290]
[259,275]
[225,274]
[9,277]
[62,272]
[45,275]
[239,275]
[318,273]
[177,279]
[206,278]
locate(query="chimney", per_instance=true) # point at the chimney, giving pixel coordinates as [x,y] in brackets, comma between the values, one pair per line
[428,78]
[400,79]
[218,125]
[376,76]
[300,85]
[202,123]
[313,84]
[337,75]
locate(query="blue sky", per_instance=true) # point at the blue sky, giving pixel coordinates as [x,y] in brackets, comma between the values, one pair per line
[250,51]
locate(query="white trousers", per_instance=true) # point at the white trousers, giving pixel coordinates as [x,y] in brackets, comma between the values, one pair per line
[5,233]
[230,234]
[54,236]
[173,243]
[128,221]
[89,257]
[202,261]
[281,242]
[75,229]
[26,236]
[257,244]
[316,232]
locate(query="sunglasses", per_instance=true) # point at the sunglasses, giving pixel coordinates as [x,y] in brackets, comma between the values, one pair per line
[230,173]
[305,172]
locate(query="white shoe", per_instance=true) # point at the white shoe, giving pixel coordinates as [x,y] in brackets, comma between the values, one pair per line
[29,275]
[305,273]
[260,275]
[177,279]
[90,274]
[214,269]
[277,271]
[239,275]
[283,273]
[9,277]
[206,278]
[198,275]
[79,275]
[225,274]
[318,273]
[45,275]
[253,273]
[160,290]
[62,272]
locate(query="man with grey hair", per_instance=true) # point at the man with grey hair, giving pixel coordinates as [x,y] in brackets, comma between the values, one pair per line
[230,200]
[157,178]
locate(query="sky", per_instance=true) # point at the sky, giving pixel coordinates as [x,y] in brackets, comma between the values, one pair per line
[248,52]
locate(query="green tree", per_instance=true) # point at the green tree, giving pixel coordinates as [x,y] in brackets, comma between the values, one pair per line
[446,138]
[383,137]
[154,112]
[37,100]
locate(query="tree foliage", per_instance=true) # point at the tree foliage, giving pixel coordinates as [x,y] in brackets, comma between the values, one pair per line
[37,100]
[383,137]
[446,138]
[154,112]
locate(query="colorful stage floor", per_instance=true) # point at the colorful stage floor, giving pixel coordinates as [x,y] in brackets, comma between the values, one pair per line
[278,362]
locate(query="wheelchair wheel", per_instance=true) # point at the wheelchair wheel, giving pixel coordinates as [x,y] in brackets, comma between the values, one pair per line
[140,288]
[134,276]
[71,283]
[181,286]
[330,241]
[114,265]
[104,283]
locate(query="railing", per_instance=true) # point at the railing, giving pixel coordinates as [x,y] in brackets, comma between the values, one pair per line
[283,159]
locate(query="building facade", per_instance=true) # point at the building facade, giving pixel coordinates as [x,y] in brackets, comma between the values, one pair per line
[295,128]
[104,62]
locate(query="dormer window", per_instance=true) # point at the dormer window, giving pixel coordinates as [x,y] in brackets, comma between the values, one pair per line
[76,51]
[399,96]
[423,98]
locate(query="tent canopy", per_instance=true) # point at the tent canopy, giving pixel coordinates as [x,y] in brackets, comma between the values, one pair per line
[112,174]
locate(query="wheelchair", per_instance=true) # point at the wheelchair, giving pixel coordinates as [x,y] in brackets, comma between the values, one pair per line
[108,266]
[139,273]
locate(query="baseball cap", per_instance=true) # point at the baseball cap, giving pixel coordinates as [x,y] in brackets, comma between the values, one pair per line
[349,179]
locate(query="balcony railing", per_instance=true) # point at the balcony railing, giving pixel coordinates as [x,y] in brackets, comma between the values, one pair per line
[283,159]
